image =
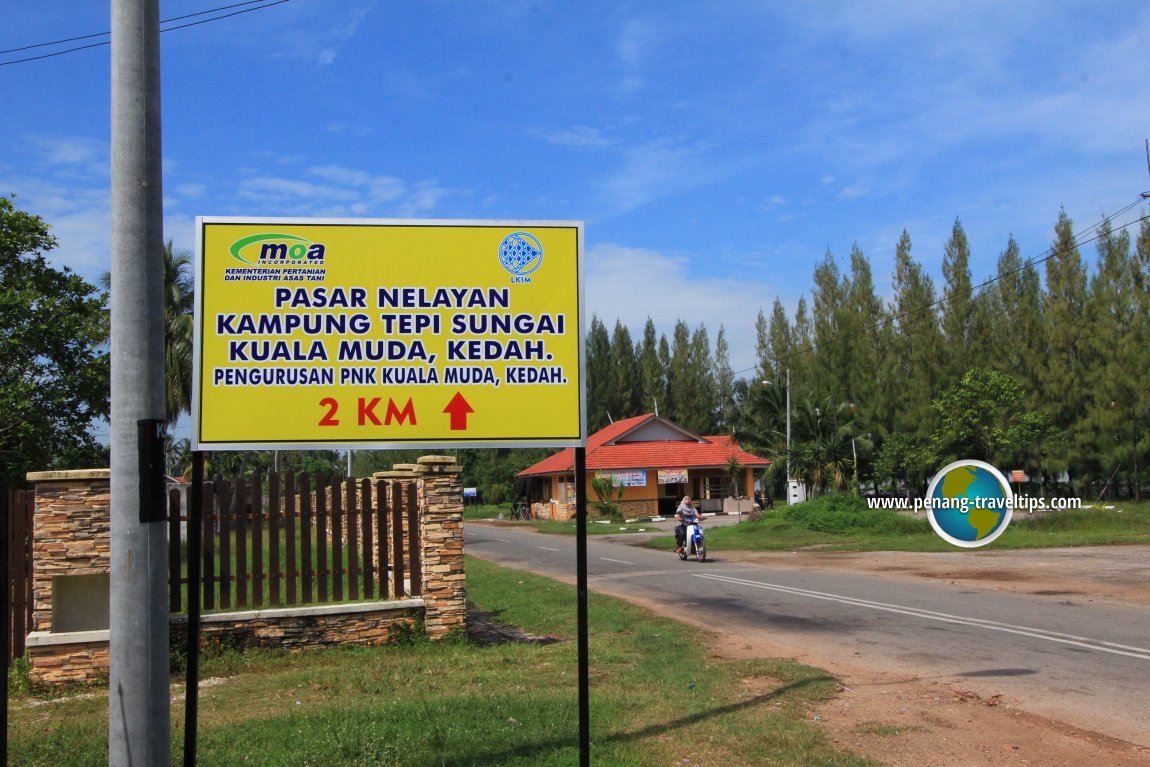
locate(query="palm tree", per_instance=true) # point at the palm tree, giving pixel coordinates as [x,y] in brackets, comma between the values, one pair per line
[179,457]
[821,453]
[179,304]
[761,427]
[735,469]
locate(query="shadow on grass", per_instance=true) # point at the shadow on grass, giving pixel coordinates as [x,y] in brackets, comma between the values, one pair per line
[702,716]
[556,744]
[486,628]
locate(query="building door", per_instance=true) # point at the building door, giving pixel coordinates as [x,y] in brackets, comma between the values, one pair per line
[669,497]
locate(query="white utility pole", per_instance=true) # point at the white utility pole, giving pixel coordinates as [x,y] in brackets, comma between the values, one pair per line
[788,432]
[139,715]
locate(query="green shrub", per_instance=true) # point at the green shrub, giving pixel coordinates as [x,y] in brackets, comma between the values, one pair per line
[407,633]
[840,514]
[19,675]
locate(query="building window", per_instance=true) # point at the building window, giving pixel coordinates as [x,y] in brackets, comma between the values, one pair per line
[713,487]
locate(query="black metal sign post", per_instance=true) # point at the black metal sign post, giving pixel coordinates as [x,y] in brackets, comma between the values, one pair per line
[195,546]
[581,587]
[5,619]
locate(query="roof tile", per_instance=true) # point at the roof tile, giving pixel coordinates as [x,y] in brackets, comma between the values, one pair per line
[666,454]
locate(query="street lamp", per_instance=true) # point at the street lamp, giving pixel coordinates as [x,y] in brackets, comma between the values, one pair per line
[788,385]
[854,453]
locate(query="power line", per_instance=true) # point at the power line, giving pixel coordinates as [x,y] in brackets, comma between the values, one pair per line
[1050,253]
[105,34]
[55,42]
[262,4]
[1079,240]
[217,18]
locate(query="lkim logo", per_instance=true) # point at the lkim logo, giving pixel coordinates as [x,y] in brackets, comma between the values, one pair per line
[277,249]
[520,254]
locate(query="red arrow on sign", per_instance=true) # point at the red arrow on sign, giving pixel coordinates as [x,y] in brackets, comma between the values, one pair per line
[458,408]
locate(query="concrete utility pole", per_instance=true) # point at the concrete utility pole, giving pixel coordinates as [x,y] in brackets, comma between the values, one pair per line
[788,433]
[139,711]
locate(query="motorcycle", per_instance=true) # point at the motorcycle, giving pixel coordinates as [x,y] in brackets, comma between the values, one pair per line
[693,544]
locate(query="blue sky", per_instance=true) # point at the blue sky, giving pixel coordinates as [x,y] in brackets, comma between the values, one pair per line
[715,151]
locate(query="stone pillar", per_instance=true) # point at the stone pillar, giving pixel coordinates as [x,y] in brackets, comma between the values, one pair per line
[381,488]
[441,545]
[71,541]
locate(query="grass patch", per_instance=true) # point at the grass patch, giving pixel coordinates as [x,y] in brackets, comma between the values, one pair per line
[487,511]
[1124,523]
[594,527]
[657,698]
[843,522]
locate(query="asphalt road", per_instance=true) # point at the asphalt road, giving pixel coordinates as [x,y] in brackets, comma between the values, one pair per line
[1080,662]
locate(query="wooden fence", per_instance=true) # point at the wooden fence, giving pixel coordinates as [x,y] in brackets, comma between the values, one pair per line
[18,529]
[298,540]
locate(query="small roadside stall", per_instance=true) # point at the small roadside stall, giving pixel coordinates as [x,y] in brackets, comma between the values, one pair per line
[655,462]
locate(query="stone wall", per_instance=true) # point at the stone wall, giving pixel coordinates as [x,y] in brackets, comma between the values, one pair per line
[647,507]
[67,659]
[560,512]
[71,535]
[565,512]
[71,531]
[295,629]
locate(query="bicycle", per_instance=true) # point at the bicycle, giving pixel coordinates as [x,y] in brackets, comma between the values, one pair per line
[521,512]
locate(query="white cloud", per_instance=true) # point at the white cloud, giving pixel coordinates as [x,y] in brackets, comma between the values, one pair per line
[83,233]
[421,84]
[636,40]
[632,284]
[639,42]
[852,192]
[274,189]
[631,84]
[340,175]
[897,88]
[66,182]
[658,169]
[580,137]
[88,155]
[180,228]
[337,191]
[376,189]
[312,31]
[353,127]
[79,217]
[190,191]
[423,199]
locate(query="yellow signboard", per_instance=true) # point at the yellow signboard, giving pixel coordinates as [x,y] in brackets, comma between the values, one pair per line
[321,333]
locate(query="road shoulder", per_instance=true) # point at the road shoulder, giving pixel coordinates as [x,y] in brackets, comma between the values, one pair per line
[898,719]
[901,719]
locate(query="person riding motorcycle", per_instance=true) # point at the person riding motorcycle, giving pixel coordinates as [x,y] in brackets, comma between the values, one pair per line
[687,515]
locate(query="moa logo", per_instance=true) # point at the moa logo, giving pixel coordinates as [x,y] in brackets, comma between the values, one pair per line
[277,249]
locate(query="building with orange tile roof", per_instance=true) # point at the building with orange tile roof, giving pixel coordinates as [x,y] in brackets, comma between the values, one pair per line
[655,460]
